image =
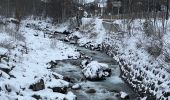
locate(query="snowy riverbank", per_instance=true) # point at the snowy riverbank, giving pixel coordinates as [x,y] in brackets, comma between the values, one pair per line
[36,64]
[146,73]
[28,53]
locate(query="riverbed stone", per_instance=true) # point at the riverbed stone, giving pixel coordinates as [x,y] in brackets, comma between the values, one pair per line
[69,79]
[37,97]
[38,85]
[59,89]
[66,32]
[52,64]
[110,98]
[124,96]
[91,91]
[76,87]
[166,94]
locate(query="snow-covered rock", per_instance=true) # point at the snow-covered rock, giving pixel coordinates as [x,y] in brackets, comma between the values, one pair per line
[76,86]
[3,50]
[84,63]
[4,75]
[96,71]
[58,85]
[13,20]
[124,95]
[38,85]
[4,66]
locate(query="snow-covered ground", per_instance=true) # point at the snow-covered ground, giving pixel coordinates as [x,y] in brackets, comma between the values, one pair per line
[28,60]
[142,70]
[88,1]
[85,1]
[24,55]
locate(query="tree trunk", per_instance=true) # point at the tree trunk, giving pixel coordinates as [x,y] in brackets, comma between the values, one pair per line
[167,12]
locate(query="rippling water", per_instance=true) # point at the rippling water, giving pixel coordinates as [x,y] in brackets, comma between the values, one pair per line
[106,89]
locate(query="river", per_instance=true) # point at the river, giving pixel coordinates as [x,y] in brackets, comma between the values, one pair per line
[104,90]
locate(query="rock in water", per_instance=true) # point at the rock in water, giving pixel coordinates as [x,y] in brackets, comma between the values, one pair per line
[60,89]
[124,96]
[91,91]
[96,71]
[66,32]
[76,87]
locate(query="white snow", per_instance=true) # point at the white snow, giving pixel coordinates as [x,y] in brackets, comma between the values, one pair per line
[4,75]
[29,57]
[3,50]
[96,30]
[76,86]
[31,66]
[57,83]
[84,63]
[95,70]
[131,48]
[88,1]
[123,94]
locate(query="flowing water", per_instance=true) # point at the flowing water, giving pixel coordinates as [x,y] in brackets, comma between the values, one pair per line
[104,90]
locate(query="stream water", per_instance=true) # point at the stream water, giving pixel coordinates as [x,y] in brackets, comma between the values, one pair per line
[104,90]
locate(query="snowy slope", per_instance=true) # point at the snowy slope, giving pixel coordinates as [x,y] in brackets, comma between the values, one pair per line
[31,65]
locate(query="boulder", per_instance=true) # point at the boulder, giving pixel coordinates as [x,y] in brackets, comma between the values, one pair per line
[37,97]
[76,87]
[28,25]
[96,71]
[56,32]
[4,75]
[91,91]
[3,56]
[58,85]
[69,79]
[167,94]
[36,34]
[84,63]
[6,70]
[38,85]
[13,20]
[59,89]
[52,64]
[66,32]
[124,96]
